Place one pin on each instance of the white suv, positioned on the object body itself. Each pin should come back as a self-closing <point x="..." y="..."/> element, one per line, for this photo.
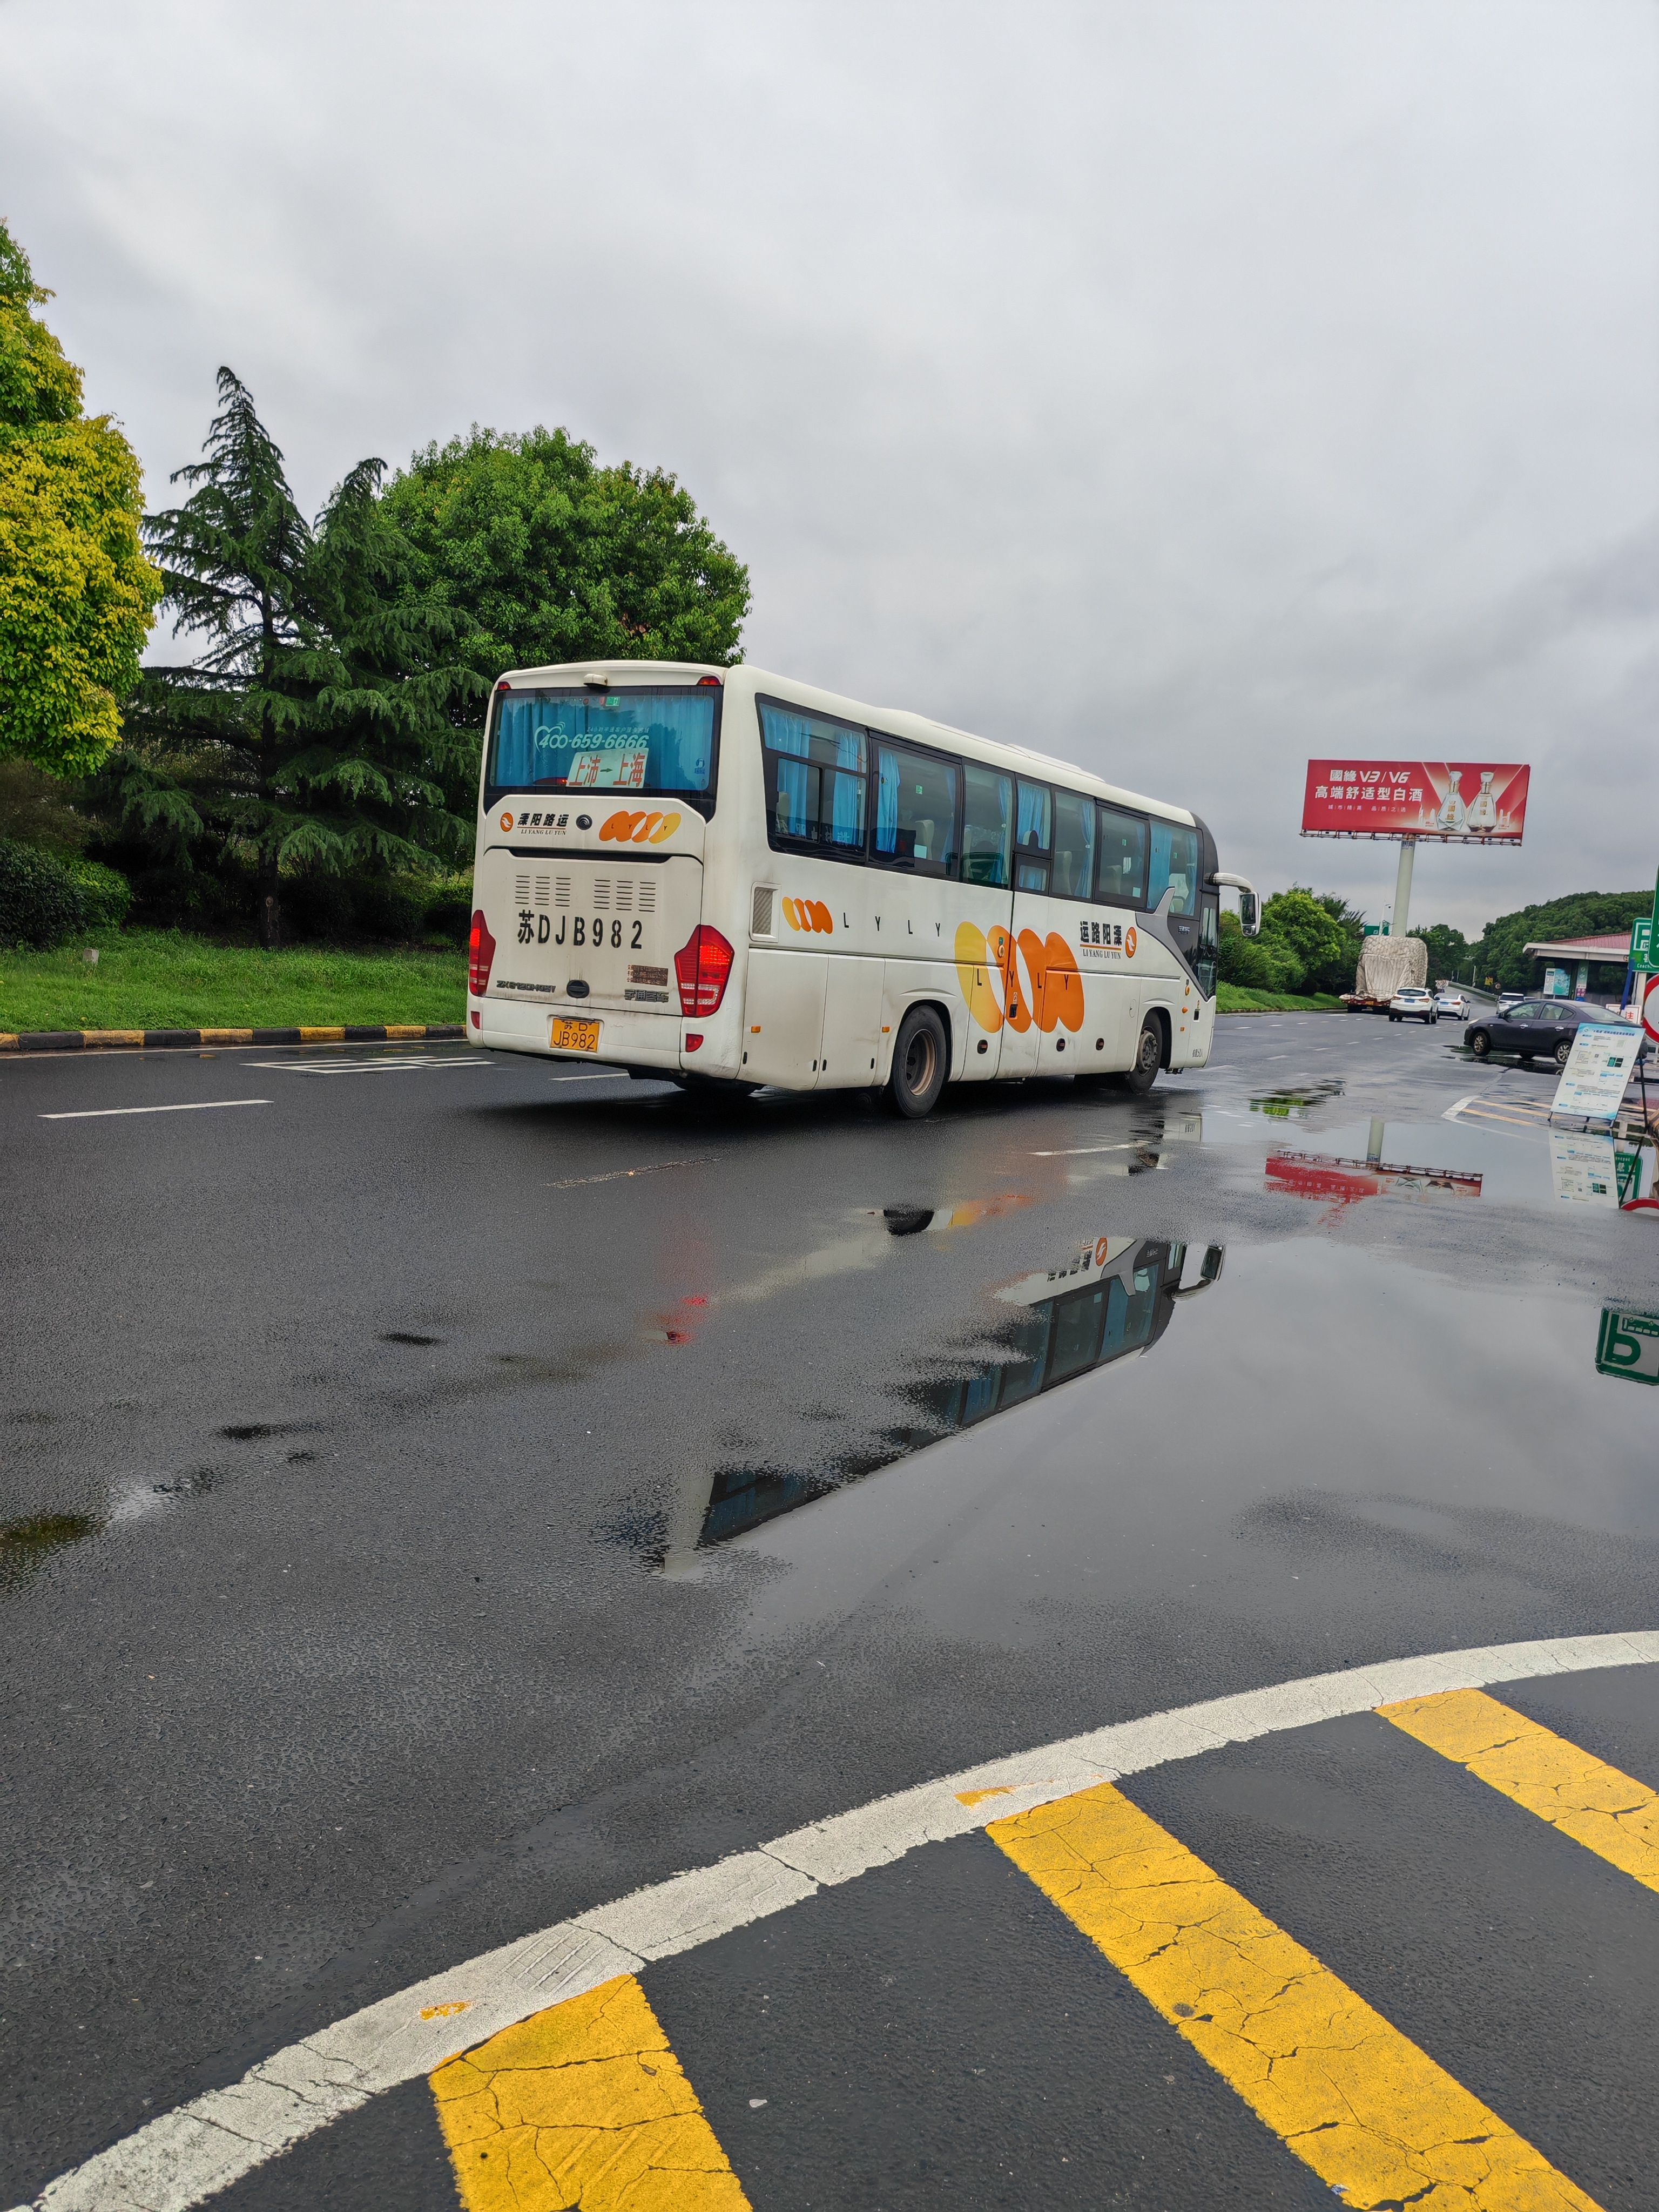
<point x="1413" y="1005"/>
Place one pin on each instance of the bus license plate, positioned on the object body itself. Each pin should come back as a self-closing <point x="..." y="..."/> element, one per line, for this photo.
<point x="566" y="1033"/>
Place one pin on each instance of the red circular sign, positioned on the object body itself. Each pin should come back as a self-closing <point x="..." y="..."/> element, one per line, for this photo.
<point x="1648" y="1003"/>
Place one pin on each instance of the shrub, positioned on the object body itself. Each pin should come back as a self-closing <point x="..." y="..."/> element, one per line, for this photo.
<point x="106" y="894"/>
<point x="1256" y="963"/>
<point x="41" y="903"/>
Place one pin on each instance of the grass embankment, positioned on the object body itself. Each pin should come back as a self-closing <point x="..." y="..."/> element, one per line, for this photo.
<point x="1230" y="999"/>
<point x="152" y="978"/>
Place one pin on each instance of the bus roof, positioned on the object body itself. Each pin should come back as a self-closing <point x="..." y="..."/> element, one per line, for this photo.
<point x="891" y="721"/>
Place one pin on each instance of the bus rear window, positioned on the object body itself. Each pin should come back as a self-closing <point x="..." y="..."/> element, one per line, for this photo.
<point x="658" y="744"/>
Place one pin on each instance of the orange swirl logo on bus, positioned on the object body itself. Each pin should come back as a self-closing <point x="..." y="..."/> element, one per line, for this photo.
<point x="625" y="829"/>
<point x="808" y="914"/>
<point x="1024" y="982"/>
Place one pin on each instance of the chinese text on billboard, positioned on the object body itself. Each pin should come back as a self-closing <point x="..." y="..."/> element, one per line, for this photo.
<point x="1462" y="802"/>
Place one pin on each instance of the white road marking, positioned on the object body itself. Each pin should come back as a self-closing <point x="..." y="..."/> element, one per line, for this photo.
<point x="400" y="1066"/>
<point x="190" y="1106"/>
<point x="188" y="2155"/>
<point x="1076" y="1151"/>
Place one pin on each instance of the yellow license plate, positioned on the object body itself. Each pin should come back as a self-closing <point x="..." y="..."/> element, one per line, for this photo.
<point x="566" y="1033"/>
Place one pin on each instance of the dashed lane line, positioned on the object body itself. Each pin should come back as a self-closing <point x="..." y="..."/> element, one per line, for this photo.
<point x="586" y="2104"/>
<point x="1607" y="1812"/>
<point x="112" y="1112"/>
<point x="186" y="2156"/>
<point x="1376" y="2118"/>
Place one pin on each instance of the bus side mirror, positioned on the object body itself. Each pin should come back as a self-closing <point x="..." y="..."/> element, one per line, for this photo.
<point x="1250" y="914"/>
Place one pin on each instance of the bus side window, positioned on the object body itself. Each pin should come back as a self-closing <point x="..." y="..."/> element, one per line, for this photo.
<point x="1175" y="868"/>
<point x="1032" y="834"/>
<point x="1075" y="845"/>
<point x="1122" y="877"/>
<point x="815" y="780"/>
<point x="988" y="823"/>
<point x="916" y="811"/>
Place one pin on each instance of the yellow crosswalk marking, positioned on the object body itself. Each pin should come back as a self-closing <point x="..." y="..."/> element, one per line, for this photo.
<point x="583" y="2106"/>
<point x="1609" y="1814"/>
<point x="1373" y="2116"/>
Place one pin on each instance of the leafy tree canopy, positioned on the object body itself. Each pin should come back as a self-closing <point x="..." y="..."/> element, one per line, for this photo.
<point x="1581" y="913"/>
<point x="1448" y="950"/>
<point x="1323" y="935"/>
<point x="315" y="731"/>
<point x="76" y="594"/>
<point x="548" y="557"/>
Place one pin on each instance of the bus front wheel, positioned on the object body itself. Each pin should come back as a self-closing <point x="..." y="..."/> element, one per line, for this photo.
<point x="1149" y="1058"/>
<point x="919" y="1064"/>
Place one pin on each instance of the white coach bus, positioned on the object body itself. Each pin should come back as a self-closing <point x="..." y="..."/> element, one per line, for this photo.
<point x="723" y="877"/>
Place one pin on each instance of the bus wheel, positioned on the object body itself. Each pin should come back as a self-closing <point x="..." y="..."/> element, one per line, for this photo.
<point x="1149" y="1055"/>
<point x="918" y="1074"/>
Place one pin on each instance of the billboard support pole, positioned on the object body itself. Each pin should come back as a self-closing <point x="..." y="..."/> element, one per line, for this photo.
<point x="1402" y="887"/>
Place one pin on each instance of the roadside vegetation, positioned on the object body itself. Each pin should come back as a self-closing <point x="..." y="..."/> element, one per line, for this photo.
<point x="303" y="773"/>
<point x="152" y="979"/>
<point x="1230" y="999"/>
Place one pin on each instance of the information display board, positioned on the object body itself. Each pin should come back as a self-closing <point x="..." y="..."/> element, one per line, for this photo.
<point x="1452" y="802"/>
<point x="1583" y="1167"/>
<point x="1602" y="1060"/>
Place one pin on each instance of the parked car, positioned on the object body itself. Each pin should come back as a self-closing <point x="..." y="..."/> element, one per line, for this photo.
<point x="1413" y="1005"/>
<point x="1533" y="1027"/>
<point x="1453" y="1003"/>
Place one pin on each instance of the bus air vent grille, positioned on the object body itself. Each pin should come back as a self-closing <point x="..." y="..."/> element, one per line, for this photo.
<point x="542" y="885"/>
<point x="760" y="916"/>
<point x="561" y="890"/>
<point x="602" y="891"/>
<point x="521" y="891"/>
<point x="647" y="897"/>
<point x="624" y="895"/>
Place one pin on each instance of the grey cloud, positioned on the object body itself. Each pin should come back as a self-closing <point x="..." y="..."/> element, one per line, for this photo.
<point x="1182" y="388"/>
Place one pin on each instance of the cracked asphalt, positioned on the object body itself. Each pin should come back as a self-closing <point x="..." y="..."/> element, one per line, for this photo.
<point x="460" y="1490"/>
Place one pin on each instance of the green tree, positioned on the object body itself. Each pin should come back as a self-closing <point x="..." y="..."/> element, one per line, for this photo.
<point x="1448" y="950"/>
<point x="1318" y="932"/>
<point x="76" y="594"/>
<point x="1580" y="913"/>
<point x="1256" y="963"/>
<point x="316" y="731"/>
<point x="548" y="557"/>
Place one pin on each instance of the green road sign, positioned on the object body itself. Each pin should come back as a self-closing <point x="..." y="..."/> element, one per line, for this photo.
<point x="1628" y="1345"/>
<point x="1641" y="944"/>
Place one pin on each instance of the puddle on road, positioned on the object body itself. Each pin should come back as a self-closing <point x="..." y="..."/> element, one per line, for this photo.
<point x="1483" y="1149"/>
<point x="1111" y="1300"/>
<point x="1297" y="1101"/>
<point x="28" y="1542"/>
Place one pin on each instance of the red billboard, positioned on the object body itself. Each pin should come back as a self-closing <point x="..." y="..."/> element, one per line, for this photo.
<point x="1458" y="802"/>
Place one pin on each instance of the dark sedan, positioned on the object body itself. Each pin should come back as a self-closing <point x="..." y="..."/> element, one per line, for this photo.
<point x="1535" y="1027"/>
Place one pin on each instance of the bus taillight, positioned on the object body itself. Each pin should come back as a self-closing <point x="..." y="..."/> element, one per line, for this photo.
<point x="480" y="956"/>
<point x="701" y="967"/>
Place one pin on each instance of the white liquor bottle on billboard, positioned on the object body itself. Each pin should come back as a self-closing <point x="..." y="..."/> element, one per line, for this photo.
<point x="1483" y="807"/>
<point x="1450" y="818"/>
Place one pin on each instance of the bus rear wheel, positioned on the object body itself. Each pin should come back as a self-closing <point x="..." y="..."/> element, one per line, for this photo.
<point x="1149" y="1058"/>
<point x="919" y="1064"/>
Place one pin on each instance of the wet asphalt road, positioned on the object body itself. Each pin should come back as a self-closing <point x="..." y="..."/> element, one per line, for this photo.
<point x="459" y="1491"/>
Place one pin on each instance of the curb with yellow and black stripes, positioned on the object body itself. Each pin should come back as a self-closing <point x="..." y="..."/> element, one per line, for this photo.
<point x="189" y="1040"/>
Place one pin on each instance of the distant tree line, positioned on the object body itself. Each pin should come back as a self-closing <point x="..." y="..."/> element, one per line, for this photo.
<point x="312" y="767"/>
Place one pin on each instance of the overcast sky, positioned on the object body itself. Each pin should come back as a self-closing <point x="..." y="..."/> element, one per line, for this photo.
<point x="1184" y="386"/>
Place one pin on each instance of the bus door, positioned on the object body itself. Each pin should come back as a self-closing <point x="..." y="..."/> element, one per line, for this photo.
<point x="1002" y="1039"/>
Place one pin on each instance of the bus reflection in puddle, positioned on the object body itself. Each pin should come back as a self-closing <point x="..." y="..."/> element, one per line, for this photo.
<point x="1110" y="1300"/>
